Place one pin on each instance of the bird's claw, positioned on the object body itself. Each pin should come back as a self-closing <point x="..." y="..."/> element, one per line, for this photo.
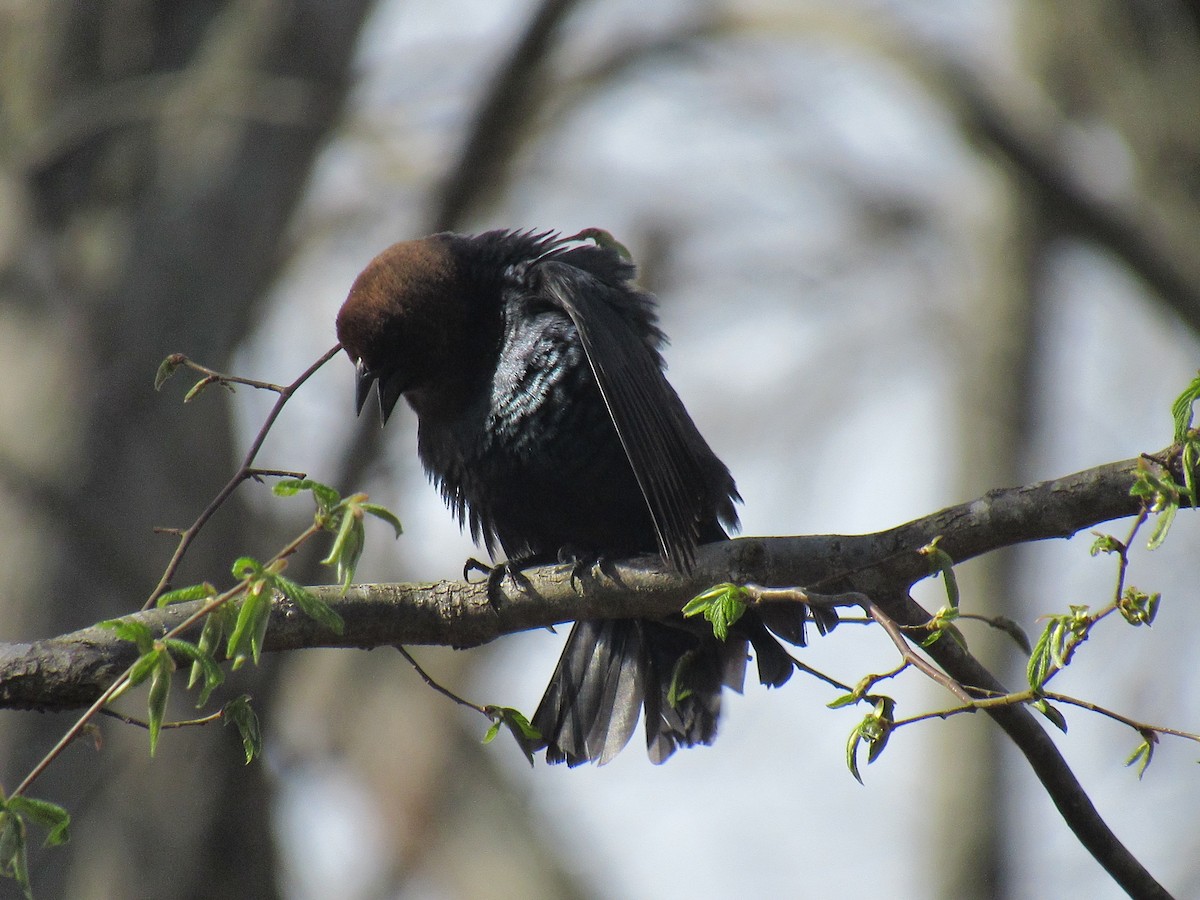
<point x="580" y="565"/>
<point x="474" y="565"/>
<point x="495" y="576"/>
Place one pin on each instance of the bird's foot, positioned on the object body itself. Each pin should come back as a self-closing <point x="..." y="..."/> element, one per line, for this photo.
<point x="581" y="564"/>
<point x="495" y="574"/>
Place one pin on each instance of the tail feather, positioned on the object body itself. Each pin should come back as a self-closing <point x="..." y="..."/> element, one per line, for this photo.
<point x="691" y="673"/>
<point x="774" y="663"/>
<point x="610" y="669"/>
<point x="590" y="708"/>
<point x="788" y="620"/>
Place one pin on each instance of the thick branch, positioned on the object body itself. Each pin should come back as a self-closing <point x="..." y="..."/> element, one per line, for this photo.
<point x="71" y="670"/>
<point x="1118" y="230"/>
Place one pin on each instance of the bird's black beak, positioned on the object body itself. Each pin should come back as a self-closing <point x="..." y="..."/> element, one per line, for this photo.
<point x="388" y="391"/>
<point x="363" y="379"/>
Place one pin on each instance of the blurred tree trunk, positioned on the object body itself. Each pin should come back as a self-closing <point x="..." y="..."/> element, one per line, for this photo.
<point x="995" y="397"/>
<point x="1144" y="95"/>
<point x="150" y="156"/>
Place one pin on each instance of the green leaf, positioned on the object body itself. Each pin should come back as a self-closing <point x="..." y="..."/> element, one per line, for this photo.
<point x="1059" y="639"/>
<point x="325" y="497"/>
<point x="312" y="605"/>
<point x="247" y="567"/>
<point x="1158" y="488"/>
<point x="49" y="815"/>
<point x="145" y="665"/>
<point x="852" y="754"/>
<point x="860" y="690"/>
<point x="877" y="745"/>
<point x="1057" y="719"/>
<point x="13" y="859"/>
<point x="514" y="718"/>
<point x="242" y="715"/>
<point x="526" y="736"/>
<point x="677" y="691"/>
<point x="187" y="594"/>
<point x="705" y="599"/>
<point x="932" y="638"/>
<point x="259" y="633"/>
<point x="844" y="700"/>
<point x="217" y="624"/>
<point x="1053" y="650"/>
<point x="160" y="690"/>
<point x="347" y="547"/>
<point x="1143" y="754"/>
<point x="202" y="662"/>
<point x="941" y="562"/>
<point x="1181" y="409"/>
<point x="251" y="625"/>
<point x="1162" y="525"/>
<point x="874" y="729"/>
<point x="1138" y="607"/>
<point x="943" y="623"/>
<point x="722" y="605"/>
<point x="200" y="386"/>
<point x="167" y="368"/>
<point x="1038" y="667"/>
<point x="1161" y="494"/>
<point x="1105" y="543"/>
<point x="1189" y="458"/>
<point x="131" y="630"/>
<point x="382" y="512"/>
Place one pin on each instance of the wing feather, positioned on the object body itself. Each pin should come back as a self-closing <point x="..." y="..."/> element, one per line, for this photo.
<point x="671" y="461"/>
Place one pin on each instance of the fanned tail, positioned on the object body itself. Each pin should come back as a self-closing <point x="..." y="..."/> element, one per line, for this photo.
<point x="610" y="669"/>
<point x="591" y="705"/>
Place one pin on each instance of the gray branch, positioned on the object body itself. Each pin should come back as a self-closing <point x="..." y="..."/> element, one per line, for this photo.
<point x="71" y="670"/>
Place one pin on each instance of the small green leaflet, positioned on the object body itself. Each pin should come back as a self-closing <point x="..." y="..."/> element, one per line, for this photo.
<point x="722" y="605"/>
<point x="1181" y="409"/>
<point x="875" y="730"/>
<point x="14" y="862"/>
<point x="344" y="517"/>
<point x="245" y="719"/>
<point x="1143" y="753"/>
<point x="526" y="736"/>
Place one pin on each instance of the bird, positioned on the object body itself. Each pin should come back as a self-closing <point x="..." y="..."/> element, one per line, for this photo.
<point x="533" y="363"/>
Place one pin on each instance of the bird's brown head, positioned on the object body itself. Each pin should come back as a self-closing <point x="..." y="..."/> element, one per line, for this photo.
<point x="404" y="321"/>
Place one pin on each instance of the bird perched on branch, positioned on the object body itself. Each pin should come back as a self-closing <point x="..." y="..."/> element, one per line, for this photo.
<point x="545" y="419"/>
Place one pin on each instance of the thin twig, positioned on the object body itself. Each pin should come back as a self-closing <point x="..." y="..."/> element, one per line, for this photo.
<point x="910" y="655"/>
<point x="444" y="691"/>
<point x="1117" y="717"/>
<point x="819" y="675"/>
<point x="243" y="473"/>
<point x="221" y="378"/>
<point x="1123" y="554"/>
<point x="185" y="723"/>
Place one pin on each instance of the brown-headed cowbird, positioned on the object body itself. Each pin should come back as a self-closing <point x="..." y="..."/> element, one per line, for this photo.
<point x="545" y="419"/>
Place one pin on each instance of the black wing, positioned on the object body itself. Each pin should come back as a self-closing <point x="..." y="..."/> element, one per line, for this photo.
<point x="687" y="489"/>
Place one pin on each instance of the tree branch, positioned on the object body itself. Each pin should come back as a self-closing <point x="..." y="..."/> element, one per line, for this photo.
<point x="69" y="671"/>
<point x="1116" y="229"/>
<point x="72" y="670"/>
